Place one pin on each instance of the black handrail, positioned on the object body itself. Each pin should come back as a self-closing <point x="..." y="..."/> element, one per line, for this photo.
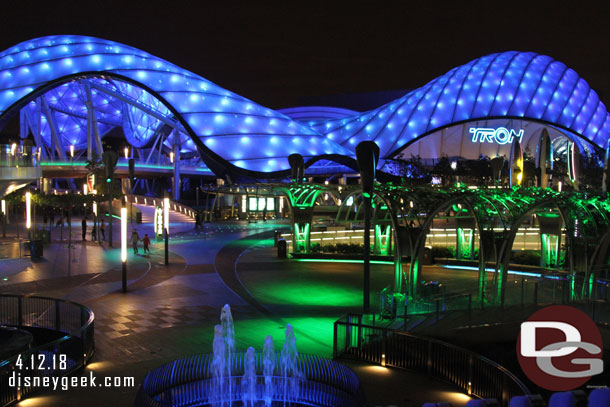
<point x="471" y="372"/>
<point x="74" y="320"/>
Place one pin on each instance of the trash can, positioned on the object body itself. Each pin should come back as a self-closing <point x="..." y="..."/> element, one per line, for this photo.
<point x="281" y="249"/>
<point x="432" y="288"/>
<point x="36" y="249"/>
<point x="43" y="234"/>
<point x="277" y="235"/>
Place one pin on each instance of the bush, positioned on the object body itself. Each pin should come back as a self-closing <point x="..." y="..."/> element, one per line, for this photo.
<point x="443" y="252"/>
<point x="526" y="257"/>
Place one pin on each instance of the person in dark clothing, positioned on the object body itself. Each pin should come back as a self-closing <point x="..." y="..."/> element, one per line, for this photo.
<point x="103" y="229"/>
<point x="146" y="242"/>
<point x="135" y="238"/>
<point x="84" y="225"/>
<point x="93" y="233"/>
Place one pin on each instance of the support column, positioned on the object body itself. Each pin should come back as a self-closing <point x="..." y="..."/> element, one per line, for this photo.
<point x="464" y="245"/>
<point x="550" y="239"/>
<point x="302" y="217"/>
<point x="93" y="131"/>
<point x="56" y="141"/>
<point x="383" y="235"/>
<point x="176" y="186"/>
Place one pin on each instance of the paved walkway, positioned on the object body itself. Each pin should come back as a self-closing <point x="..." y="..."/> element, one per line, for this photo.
<point x="169" y="312"/>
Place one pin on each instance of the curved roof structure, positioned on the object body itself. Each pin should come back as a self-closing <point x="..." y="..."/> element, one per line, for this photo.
<point x="226" y="127"/>
<point x="509" y="84"/>
<point x="235" y="135"/>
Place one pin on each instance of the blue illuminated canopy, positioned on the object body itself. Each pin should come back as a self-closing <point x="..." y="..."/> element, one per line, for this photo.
<point x="510" y="84"/>
<point x="146" y="96"/>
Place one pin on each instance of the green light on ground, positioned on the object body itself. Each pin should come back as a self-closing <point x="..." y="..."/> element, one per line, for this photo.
<point x="71" y="164"/>
<point x="314" y="334"/>
<point x="343" y="261"/>
<point x="320" y="294"/>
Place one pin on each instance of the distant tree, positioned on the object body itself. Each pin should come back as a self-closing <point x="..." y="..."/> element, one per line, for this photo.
<point x="412" y="170"/>
<point x="592" y="169"/>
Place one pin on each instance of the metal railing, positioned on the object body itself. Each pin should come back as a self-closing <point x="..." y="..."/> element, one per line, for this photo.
<point x="15" y="155"/>
<point x="190" y="381"/>
<point x="174" y="206"/>
<point x="74" y="321"/>
<point x="472" y="373"/>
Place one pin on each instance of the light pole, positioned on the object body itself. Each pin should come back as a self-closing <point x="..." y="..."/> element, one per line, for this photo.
<point x="367" y="156"/>
<point x="124" y="248"/>
<point x="28" y="212"/>
<point x="166" y="228"/>
<point x="3" y="218"/>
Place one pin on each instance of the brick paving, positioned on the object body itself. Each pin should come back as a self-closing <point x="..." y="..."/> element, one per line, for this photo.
<point x="167" y="313"/>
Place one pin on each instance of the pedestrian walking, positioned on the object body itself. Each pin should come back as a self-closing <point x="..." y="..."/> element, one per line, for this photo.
<point x="93" y="233"/>
<point x="197" y="220"/>
<point x="103" y="229"/>
<point x="146" y="243"/>
<point x="135" y="238"/>
<point x="84" y="226"/>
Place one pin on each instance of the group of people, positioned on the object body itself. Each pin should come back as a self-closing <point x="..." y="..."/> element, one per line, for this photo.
<point x="135" y="237"/>
<point x="102" y="223"/>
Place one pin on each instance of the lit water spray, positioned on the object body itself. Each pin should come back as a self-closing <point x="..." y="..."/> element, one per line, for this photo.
<point x="268" y="369"/>
<point x="248" y="382"/>
<point x="290" y="370"/>
<point x="226" y="320"/>
<point x="218" y="366"/>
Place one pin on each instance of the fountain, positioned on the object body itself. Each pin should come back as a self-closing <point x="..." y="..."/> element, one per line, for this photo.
<point x="269" y="378"/>
<point x="289" y="368"/>
<point x="218" y="365"/>
<point x="268" y="369"/>
<point x="248" y="382"/>
<point x="228" y="334"/>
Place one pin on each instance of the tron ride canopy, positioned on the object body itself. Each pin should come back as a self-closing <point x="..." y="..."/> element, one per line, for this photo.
<point x="73" y="90"/>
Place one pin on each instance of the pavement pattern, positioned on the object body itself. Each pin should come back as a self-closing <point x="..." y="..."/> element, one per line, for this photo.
<point x="170" y="311"/>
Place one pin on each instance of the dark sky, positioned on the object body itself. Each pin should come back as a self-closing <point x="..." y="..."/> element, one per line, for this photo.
<point x="278" y="53"/>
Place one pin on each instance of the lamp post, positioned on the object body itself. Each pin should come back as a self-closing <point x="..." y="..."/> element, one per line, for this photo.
<point x="367" y="156"/>
<point x="95" y="225"/>
<point x="166" y="228"/>
<point x="28" y="212"/>
<point x="124" y="248"/>
<point x="3" y="208"/>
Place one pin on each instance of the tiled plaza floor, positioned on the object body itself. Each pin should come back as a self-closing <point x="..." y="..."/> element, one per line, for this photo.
<point x="168" y="312"/>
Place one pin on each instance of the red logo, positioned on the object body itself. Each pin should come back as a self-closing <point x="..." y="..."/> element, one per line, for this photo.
<point x="559" y="348"/>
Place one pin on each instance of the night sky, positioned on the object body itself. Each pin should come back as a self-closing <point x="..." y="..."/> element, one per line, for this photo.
<point x="277" y="53"/>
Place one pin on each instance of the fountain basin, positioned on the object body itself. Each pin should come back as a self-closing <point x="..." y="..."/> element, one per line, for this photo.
<point x="190" y="382"/>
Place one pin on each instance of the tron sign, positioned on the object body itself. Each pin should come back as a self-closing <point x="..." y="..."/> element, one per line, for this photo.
<point x="501" y="135"/>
